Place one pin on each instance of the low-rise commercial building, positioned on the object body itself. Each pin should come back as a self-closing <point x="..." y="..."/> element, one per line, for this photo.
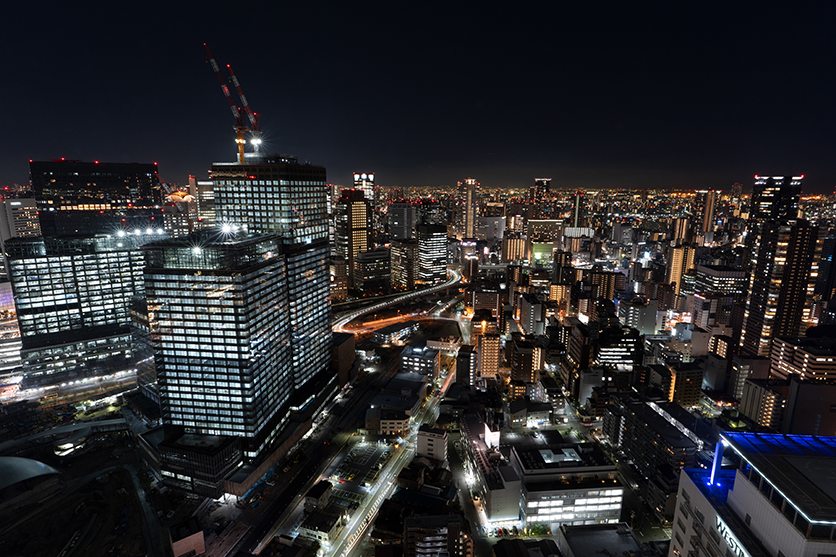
<point x="778" y="500"/>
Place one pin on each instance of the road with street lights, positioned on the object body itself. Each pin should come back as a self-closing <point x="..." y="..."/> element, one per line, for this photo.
<point x="343" y="319"/>
<point x="351" y="536"/>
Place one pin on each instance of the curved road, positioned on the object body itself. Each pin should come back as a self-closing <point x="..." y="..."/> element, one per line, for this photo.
<point x="345" y="319"/>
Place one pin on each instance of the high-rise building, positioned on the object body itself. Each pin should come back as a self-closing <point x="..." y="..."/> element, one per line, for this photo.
<point x="540" y="189"/>
<point x="709" y="203"/>
<point x="721" y="278"/>
<point x="72" y="298"/>
<point x="514" y="247"/>
<point x="774" y="198"/>
<point x="277" y="195"/>
<point x="203" y="192"/>
<point x="432" y="253"/>
<point x="681" y="231"/>
<point x="783" y="279"/>
<point x="578" y="209"/>
<point x="467" y="365"/>
<point x="686" y="384"/>
<point x="470" y="201"/>
<point x="19" y="219"/>
<point x="405" y="264"/>
<point x="488" y="350"/>
<point x="524" y="362"/>
<point x="338" y="268"/>
<point x="365" y="182"/>
<point x="680" y="260"/>
<point x="372" y="271"/>
<point x="223" y="357"/>
<point x="353" y="234"/>
<point x="78" y="198"/>
<point x="402" y="220"/>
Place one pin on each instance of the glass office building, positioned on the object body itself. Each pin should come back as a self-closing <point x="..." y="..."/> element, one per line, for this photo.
<point x="222" y="332"/>
<point x="72" y="298"/>
<point x="274" y="194"/>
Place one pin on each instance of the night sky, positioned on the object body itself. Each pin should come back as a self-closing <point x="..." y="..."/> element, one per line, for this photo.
<point x="594" y="95"/>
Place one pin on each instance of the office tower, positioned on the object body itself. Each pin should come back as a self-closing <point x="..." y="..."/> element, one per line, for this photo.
<point x="338" y="270"/>
<point x="470" y="201"/>
<point x="578" y="209"/>
<point x="72" y="298"/>
<point x="365" y="183"/>
<point x="783" y="279"/>
<point x="402" y="221"/>
<point x="223" y="346"/>
<point x="680" y="260"/>
<point x="371" y="271"/>
<point x="709" y="203"/>
<point x="203" y="192"/>
<point x="488" y="354"/>
<point x="18" y="219"/>
<point x="405" y="264"/>
<point x="432" y="253"/>
<point x="277" y="195"/>
<point x="774" y="198"/>
<point x="88" y="198"/>
<point x="514" y="247"/>
<point x="431" y="211"/>
<point x="540" y="189"/>
<point x="353" y="234"/>
<point x="721" y="278"/>
<point x="736" y="192"/>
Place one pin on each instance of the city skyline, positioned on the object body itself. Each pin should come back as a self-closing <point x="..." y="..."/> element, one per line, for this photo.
<point x="668" y="98"/>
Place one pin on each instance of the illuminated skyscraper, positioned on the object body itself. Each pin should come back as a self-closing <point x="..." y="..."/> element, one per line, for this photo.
<point x="72" y="298"/>
<point x="432" y="253"/>
<point x="709" y="202"/>
<point x="405" y="264"/>
<point x="274" y="194"/>
<point x="782" y="283"/>
<point x="365" y="183"/>
<point x="354" y="217"/>
<point x="578" y="209"/>
<point x="470" y="200"/>
<point x="775" y="197"/>
<point x="680" y="260"/>
<point x="223" y="350"/>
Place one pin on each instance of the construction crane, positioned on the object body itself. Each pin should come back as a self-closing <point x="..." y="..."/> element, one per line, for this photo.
<point x="241" y="126"/>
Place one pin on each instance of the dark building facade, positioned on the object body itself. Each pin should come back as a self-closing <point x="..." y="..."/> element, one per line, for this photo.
<point x="87" y="198"/>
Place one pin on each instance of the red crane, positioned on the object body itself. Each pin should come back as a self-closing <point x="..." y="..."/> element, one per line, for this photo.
<point x="240" y="125"/>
